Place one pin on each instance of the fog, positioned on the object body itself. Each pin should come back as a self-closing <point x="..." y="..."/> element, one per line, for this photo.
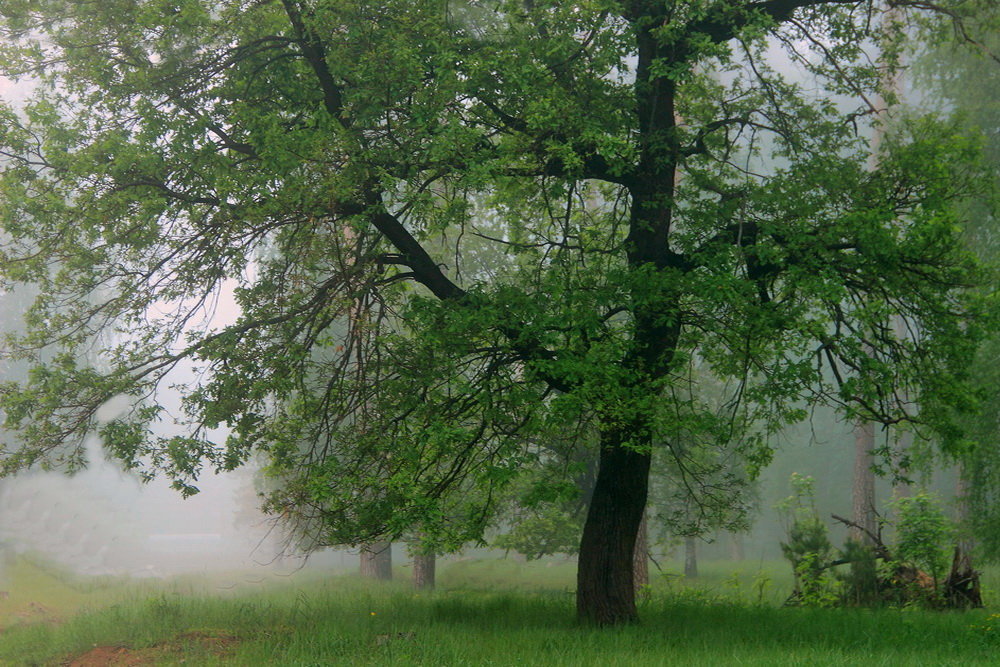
<point x="104" y="522"/>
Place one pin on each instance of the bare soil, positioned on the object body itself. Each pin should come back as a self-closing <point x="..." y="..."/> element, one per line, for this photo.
<point x="218" y="643"/>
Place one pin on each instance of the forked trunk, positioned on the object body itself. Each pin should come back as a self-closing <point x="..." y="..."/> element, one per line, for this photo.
<point x="424" y="566"/>
<point x="605" y="592"/>
<point x="376" y="561"/>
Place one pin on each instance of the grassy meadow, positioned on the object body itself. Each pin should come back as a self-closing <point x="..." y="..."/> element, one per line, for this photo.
<point x="485" y="612"/>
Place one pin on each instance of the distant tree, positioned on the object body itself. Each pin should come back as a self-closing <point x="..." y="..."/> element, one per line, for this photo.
<point x="424" y="565"/>
<point x="169" y="143"/>
<point x="376" y="560"/>
<point x="864" y="513"/>
<point x="543" y="531"/>
<point x="700" y="487"/>
<point x="546" y="507"/>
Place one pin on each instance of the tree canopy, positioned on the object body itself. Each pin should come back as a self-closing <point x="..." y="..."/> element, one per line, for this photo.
<point x="662" y="188"/>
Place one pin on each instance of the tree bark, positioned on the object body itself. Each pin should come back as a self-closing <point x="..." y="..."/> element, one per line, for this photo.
<point x="605" y="593"/>
<point x="962" y="508"/>
<point x="376" y="561"/>
<point x="424" y="566"/>
<point x="962" y="588"/>
<point x="864" y="432"/>
<point x="736" y="544"/>
<point x="640" y="557"/>
<point x="605" y="577"/>
<point x="690" y="557"/>
<point x="863" y="515"/>
<point x="901" y="485"/>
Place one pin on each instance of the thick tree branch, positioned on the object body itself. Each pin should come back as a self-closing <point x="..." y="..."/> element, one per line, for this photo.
<point x="424" y="270"/>
<point x="315" y="55"/>
<point x="698" y="147"/>
<point x="413" y="255"/>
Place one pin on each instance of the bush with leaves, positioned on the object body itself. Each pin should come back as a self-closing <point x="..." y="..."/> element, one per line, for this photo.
<point x="924" y="534"/>
<point x="545" y="531"/>
<point x="808" y="548"/>
<point x="909" y="572"/>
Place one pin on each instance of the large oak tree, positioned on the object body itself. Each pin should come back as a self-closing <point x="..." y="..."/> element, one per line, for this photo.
<point x="663" y="193"/>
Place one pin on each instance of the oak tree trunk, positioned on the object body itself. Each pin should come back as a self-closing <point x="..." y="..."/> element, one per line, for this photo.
<point x="605" y="592"/>
<point x="605" y="576"/>
<point x="376" y="561"/>
<point x="424" y="566"/>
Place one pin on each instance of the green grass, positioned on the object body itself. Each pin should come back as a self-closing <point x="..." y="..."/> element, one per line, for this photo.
<point x="495" y="613"/>
<point x="37" y="590"/>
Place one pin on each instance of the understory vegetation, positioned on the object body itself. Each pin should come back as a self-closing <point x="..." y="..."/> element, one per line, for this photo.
<point x="498" y="612"/>
<point x="910" y="570"/>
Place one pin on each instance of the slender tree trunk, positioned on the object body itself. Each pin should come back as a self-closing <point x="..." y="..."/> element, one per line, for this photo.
<point x="864" y="432"/>
<point x="736" y="551"/>
<point x="690" y="557"/>
<point x="376" y="561"/>
<point x="962" y="507"/>
<point x="902" y="488"/>
<point x="865" y="586"/>
<point x="864" y="485"/>
<point x="864" y="529"/>
<point x="962" y="587"/>
<point x="640" y="558"/>
<point x="605" y="592"/>
<point x="424" y="566"/>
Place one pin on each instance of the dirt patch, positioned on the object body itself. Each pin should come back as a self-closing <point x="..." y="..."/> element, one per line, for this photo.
<point x="104" y="656"/>
<point x="218" y="644"/>
<point x="34" y="612"/>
